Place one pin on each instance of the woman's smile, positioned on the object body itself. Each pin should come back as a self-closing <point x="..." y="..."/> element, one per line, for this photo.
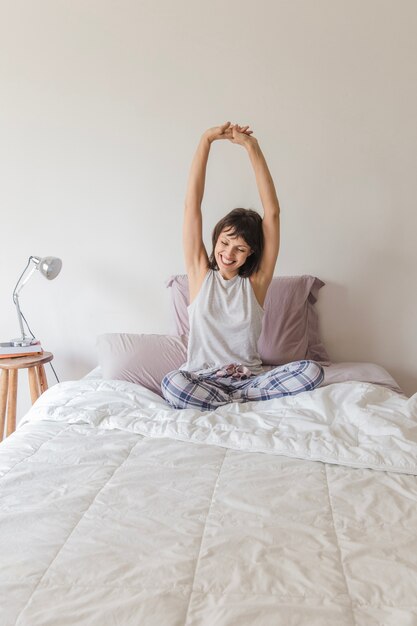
<point x="225" y="260"/>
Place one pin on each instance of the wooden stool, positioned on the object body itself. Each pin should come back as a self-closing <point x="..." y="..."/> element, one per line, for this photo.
<point x="8" y="385"/>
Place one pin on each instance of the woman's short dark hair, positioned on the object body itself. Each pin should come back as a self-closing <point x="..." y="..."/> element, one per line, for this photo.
<point x="247" y="224"/>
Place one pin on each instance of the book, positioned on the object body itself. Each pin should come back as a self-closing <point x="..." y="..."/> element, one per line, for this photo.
<point x="8" y="350"/>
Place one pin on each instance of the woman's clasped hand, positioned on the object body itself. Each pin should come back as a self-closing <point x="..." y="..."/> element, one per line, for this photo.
<point x="233" y="132"/>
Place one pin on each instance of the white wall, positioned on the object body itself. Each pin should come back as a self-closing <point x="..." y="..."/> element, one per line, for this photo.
<point x="101" y="106"/>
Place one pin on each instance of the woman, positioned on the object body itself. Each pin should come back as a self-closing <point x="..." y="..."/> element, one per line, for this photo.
<point x="227" y="293"/>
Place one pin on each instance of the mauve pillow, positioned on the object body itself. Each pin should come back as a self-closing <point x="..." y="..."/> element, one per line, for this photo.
<point x="290" y="330"/>
<point x="142" y="359"/>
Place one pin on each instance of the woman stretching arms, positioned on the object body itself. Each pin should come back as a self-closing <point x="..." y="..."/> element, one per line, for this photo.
<point x="227" y="293"/>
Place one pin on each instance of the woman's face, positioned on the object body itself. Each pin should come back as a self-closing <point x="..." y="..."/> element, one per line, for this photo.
<point x="230" y="253"/>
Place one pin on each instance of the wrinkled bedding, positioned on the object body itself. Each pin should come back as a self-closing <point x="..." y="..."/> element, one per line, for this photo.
<point x="116" y="509"/>
<point x="352" y="423"/>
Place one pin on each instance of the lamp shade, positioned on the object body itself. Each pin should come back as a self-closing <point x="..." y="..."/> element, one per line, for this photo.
<point x="49" y="266"/>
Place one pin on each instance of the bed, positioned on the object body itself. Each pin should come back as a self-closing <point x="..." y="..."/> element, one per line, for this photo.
<point x="117" y="509"/>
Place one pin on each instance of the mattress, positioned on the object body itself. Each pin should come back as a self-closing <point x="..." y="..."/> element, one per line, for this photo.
<point x="116" y="509"/>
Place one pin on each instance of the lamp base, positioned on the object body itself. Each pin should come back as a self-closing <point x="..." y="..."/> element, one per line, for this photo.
<point x="24" y="342"/>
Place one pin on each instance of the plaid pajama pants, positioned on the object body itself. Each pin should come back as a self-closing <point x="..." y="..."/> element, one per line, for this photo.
<point x="206" y="391"/>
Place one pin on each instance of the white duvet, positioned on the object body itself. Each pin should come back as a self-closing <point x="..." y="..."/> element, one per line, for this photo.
<point x="354" y="424"/>
<point x="116" y="509"/>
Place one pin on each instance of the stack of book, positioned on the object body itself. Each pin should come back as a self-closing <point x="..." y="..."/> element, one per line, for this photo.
<point x="8" y="350"/>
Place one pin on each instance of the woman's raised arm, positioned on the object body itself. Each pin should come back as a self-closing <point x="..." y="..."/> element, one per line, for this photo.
<point x="196" y="258"/>
<point x="270" y="204"/>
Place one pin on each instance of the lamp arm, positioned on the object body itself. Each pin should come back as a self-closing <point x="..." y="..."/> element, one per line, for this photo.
<point x="19" y="316"/>
<point x="20" y="285"/>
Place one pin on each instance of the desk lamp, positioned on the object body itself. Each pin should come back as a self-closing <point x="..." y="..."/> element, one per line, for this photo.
<point x="48" y="266"/>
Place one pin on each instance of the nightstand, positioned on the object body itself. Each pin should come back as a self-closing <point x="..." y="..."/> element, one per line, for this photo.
<point x="8" y="385"/>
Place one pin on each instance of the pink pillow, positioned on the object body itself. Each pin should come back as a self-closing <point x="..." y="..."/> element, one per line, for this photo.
<point x="290" y="329"/>
<point x="142" y="359"/>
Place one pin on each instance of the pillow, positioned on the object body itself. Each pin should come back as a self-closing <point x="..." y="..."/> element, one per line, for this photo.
<point x="290" y="330"/>
<point x="142" y="359"/>
<point x="361" y="372"/>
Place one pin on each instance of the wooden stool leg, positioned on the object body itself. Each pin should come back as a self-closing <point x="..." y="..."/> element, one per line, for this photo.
<point x="42" y="378"/>
<point x="4" y="382"/>
<point x="12" y="399"/>
<point x="33" y="384"/>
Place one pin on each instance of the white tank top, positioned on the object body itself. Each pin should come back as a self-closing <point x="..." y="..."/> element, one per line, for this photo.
<point x="225" y="325"/>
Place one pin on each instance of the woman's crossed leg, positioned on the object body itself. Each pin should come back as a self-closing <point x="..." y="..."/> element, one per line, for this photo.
<point x="206" y="392"/>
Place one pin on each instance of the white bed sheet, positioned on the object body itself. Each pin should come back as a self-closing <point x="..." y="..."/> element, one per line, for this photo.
<point x="103" y="524"/>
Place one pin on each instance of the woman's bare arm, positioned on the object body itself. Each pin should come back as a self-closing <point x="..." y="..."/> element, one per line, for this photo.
<point x="196" y="258"/>
<point x="270" y="204"/>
